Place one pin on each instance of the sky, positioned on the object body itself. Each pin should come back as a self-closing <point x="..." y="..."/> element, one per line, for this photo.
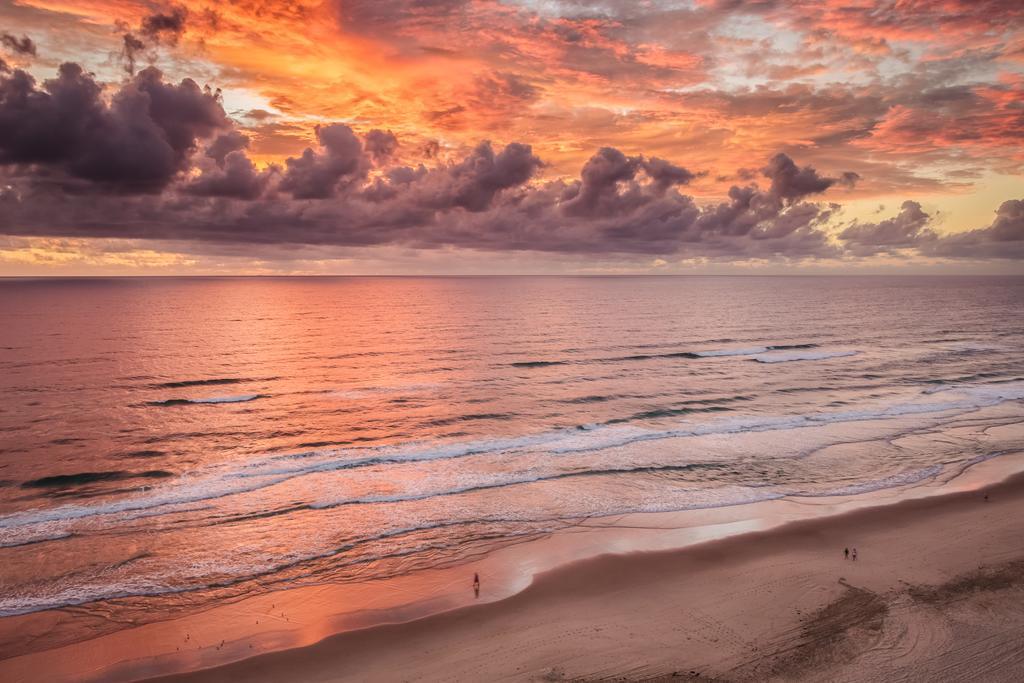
<point x="511" y="136"/>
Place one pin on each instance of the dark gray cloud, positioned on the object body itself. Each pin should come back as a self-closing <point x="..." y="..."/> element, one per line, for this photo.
<point x="167" y="26"/>
<point x="909" y="228"/>
<point x="473" y="183"/>
<point x="235" y="176"/>
<point x="790" y="182"/>
<point x="1008" y="225"/>
<point x="224" y="144"/>
<point x="138" y="142"/>
<point x="665" y="174"/>
<point x="470" y="184"/>
<point x="597" y="192"/>
<point x="610" y="183"/>
<point x="848" y="179"/>
<point x="1003" y="238"/>
<point x="20" y="46"/>
<point x="131" y="48"/>
<point x="317" y="174"/>
<point x="380" y="145"/>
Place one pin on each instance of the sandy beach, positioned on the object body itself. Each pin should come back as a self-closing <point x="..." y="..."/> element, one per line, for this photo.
<point x="936" y="594"/>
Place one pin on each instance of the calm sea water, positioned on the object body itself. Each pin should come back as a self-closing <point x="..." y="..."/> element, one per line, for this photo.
<point x="183" y="441"/>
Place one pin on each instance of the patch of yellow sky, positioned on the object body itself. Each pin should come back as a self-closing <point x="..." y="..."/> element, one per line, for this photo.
<point x="973" y="206"/>
<point x="28" y="256"/>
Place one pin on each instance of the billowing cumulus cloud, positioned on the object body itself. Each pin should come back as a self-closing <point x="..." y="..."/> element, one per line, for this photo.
<point x="473" y="183"/>
<point x="909" y="228"/>
<point x="1003" y="238"/>
<point x="137" y="142"/>
<point x="226" y="143"/>
<point x="235" y="176"/>
<point x="317" y="174"/>
<point x="380" y="145"/>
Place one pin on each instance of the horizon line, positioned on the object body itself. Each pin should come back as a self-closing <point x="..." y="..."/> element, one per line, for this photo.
<point x="499" y="275"/>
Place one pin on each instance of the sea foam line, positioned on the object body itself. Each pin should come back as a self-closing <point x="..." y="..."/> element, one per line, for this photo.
<point x="240" y="398"/>
<point x="274" y="470"/>
<point x="196" y="575"/>
<point x="791" y="356"/>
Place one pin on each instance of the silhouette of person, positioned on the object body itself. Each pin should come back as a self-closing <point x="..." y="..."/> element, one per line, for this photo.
<point x="846" y="553"/>
<point x="476" y="585"/>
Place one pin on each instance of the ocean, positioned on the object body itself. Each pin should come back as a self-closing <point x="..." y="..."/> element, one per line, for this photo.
<point x="171" y="443"/>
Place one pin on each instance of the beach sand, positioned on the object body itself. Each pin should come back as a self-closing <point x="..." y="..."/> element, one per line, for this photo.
<point x="936" y="594"/>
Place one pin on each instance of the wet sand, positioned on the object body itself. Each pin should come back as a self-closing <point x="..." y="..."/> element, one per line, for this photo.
<point x="936" y="594"/>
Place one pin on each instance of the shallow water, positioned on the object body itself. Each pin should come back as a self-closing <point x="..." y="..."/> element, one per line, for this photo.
<point x="169" y="443"/>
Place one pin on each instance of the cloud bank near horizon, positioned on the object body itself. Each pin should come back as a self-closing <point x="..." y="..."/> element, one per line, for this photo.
<point x="160" y="160"/>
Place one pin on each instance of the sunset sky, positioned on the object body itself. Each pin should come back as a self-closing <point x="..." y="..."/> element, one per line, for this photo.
<point x="515" y="136"/>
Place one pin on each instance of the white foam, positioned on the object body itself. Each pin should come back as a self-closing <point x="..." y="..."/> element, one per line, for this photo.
<point x="969" y="347"/>
<point x="791" y="356"/>
<point x="15" y="541"/>
<point x="33" y="525"/>
<point x="233" y="478"/>
<point x="713" y="353"/>
<point x="486" y="481"/>
<point x="892" y="481"/>
<point x="365" y="391"/>
<point x="219" y="570"/>
<point x="191" y="574"/>
<point x="241" y="398"/>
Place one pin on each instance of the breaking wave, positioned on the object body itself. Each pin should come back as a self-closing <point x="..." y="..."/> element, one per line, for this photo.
<point x="800" y="355"/>
<point x="228" y="480"/>
<point x="241" y="398"/>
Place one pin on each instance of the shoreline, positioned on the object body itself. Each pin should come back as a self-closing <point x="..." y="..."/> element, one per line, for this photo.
<point x="118" y="656"/>
<point x="596" y="591"/>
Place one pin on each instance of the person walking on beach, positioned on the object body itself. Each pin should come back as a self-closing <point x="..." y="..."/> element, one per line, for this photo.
<point x="476" y="584"/>
<point x="854" y="554"/>
<point x="846" y="553"/>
